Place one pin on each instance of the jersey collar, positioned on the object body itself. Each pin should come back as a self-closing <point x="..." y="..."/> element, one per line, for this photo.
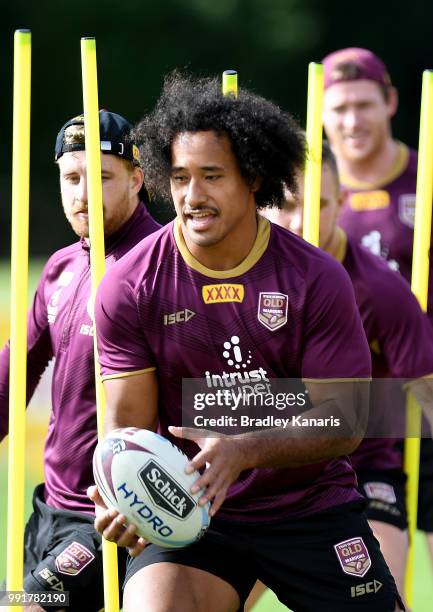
<point x="259" y="247"/>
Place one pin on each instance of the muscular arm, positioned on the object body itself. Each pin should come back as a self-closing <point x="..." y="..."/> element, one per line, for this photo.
<point x="132" y="401"/>
<point x="39" y="353"/>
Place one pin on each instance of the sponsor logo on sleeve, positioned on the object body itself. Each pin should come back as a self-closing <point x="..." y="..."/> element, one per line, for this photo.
<point x="353" y="557"/>
<point x="222" y="293"/>
<point x="272" y="310"/>
<point x="73" y="559"/>
<point x="369" y="200"/>
<point x="406" y="209"/>
<point x="380" y="490"/>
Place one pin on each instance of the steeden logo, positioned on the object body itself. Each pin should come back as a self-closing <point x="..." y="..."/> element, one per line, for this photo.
<point x="222" y="293"/>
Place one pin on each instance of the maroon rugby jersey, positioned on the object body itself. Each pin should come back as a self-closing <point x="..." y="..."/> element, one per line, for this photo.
<point x="400" y="338"/>
<point x="60" y="326"/>
<point x="318" y="335"/>
<point x="381" y="216"/>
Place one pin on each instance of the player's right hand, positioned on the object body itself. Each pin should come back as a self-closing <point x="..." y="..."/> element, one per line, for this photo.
<point x="112" y="525"/>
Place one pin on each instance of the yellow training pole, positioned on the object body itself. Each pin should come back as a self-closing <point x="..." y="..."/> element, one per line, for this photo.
<point x="419" y="285"/>
<point x="313" y="165"/>
<point x="230" y="83"/>
<point x="18" y="332"/>
<point x="97" y="264"/>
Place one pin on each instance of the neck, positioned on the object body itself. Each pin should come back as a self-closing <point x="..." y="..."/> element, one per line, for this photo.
<point x="334" y="243"/>
<point x="372" y="168"/>
<point x="337" y="245"/>
<point x="229" y="252"/>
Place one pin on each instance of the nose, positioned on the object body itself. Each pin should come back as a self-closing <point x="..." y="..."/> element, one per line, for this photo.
<point x="351" y="119"/>
<point x="81" y="190"/>
<point x="195" y="195"/>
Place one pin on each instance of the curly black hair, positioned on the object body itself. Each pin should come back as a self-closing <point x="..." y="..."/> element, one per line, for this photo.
<point x="267" y="142"/>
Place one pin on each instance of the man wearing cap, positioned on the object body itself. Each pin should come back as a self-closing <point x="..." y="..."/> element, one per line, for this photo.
<point x="378" y="175"/>
<point x="62" y="549"/>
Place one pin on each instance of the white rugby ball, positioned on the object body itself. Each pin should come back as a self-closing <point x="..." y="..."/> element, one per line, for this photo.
<point x="142" y="475"/>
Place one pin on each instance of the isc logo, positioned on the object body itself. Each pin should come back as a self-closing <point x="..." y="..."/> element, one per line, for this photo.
<point x="364" y="589"/>
<point x="181" y="316"/>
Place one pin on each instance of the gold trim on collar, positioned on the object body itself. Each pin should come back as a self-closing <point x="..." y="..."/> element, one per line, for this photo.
<point x="259" y="247"/>
<point x="342" y="245"/>
<point x="399" y="166"/>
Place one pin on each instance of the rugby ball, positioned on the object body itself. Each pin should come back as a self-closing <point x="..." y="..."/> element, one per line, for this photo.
<point x="142" y="475"/>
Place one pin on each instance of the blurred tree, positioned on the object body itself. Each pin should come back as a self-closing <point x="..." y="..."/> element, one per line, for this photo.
<point x="269" y="42"/>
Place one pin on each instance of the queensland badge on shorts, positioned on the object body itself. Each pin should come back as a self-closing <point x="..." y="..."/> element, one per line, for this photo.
<point x="73" y="559"/>
<point x="272" y="310"/>
<point x="353" y="556"/>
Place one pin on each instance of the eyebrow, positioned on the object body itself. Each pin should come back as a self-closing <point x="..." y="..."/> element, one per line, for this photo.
<point x="206" y="168"/>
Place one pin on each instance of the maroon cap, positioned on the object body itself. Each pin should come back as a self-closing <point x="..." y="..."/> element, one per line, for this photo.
<point x="352" y="64"/>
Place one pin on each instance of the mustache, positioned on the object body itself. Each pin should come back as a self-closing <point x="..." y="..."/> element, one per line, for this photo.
<point x="199" y="209"/>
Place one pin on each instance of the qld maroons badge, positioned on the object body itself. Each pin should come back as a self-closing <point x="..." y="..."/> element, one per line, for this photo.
<point x="353" y="556"/>
<point x="272" y="311"/>
<point x="73" y="559"/>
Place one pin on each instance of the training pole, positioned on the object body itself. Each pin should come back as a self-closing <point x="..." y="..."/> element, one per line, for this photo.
<point x="313" y="164"/>
<point x="97" y="267"/>
<point x="419" y="286"/>
<point x="230" y="83"/>
<point x="18" y="330"/>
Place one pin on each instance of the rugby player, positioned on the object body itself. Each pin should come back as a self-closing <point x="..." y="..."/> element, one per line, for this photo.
<point x="62" y="549"/>
<point x="378" y="174"/>
<point x="283" y="507"/>
<point x="401" y="342"/>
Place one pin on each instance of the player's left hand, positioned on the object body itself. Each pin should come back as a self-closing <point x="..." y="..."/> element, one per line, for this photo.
<point x="224" y="458"/>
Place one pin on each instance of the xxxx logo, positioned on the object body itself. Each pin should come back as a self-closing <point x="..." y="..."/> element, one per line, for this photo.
<point x="218" y="294"/>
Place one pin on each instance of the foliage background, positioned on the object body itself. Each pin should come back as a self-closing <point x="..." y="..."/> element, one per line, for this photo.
<point x="269" y="42"/>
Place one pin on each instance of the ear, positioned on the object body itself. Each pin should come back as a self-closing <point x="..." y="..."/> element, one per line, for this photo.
<point x="137" y="179"/>
<point x="341" y="199"/>
<point x="256" y="184"/>
<point x="392" y="102"/>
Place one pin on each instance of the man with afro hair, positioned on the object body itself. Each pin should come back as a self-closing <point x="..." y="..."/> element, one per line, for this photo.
<point x="262" y="305"/>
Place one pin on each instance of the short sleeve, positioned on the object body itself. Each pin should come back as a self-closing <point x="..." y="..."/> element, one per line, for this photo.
<point x="121" y="341"/>
<point x="335" y="345"/>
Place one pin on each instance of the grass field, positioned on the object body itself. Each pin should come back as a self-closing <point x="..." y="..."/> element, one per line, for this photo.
<point x="36" y="428"/>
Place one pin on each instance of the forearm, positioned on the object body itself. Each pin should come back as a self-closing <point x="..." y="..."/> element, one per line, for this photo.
<point x="282" y="451"/>
<point x="332" y="427"/>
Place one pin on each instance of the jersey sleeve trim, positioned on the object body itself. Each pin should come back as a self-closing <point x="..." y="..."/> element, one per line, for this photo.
<point x="127" y="374"/>
<point x="335" y="380"/>
<point x="407" y="385"/>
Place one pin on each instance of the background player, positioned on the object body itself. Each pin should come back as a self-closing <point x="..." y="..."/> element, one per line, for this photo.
<point x="222" y="159"/>
<point x="378" y="174"/>
<point x="401" y="342"/>
<point x="60" y="325"/>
